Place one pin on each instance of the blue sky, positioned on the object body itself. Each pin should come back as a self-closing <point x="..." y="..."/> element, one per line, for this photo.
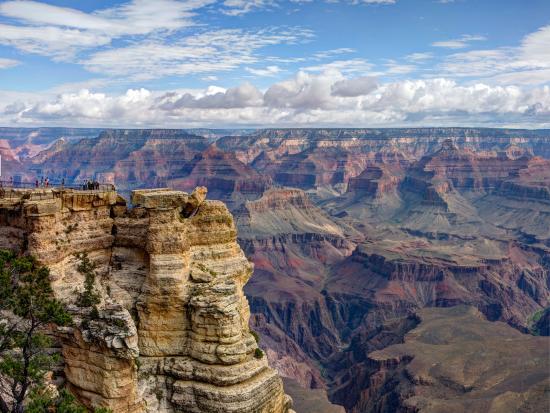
<point x="223" y="63"/>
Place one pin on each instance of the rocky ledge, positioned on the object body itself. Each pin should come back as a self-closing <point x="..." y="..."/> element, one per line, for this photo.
<point x="166" y="326"/>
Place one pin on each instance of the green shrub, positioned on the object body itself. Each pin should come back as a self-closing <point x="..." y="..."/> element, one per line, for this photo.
<point x="255" y="335"/>
<point x="258" y="353"/>
<point x="89" y="297"/>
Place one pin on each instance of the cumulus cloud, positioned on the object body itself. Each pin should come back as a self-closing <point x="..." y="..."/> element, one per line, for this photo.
<point x="326" y="99"/>
<point x="304" y="91"/>
<point x="245" y="95"/>
<point x="354" y="87"/>
<point x="91" y="106"/>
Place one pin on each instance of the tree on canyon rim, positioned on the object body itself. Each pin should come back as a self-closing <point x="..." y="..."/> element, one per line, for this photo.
<point x="27" y="309"/>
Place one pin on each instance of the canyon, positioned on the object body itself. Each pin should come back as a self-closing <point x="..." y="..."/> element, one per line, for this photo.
<point x="362" y="240"/>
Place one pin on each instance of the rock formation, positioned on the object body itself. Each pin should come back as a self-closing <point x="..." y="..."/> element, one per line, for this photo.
<point x="170" y="332"/>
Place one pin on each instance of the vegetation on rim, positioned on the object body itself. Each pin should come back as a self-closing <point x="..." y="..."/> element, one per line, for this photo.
<point x="29" y="310"/>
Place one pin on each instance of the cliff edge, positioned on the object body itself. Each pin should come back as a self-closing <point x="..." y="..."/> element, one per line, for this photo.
<point x="168" y="328"/>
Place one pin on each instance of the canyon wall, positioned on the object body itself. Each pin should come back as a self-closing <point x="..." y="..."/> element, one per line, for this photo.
<point x="169" y="331"/>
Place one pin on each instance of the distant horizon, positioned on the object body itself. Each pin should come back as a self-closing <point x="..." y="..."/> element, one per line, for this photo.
<point x="271" y="128"/>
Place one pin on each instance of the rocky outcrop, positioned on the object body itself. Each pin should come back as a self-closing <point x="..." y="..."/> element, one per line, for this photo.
<point x="170" y="331"/>
<point x="375" y="182"/>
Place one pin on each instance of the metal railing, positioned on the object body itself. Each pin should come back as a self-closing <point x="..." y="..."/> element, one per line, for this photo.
<point x="43" y="190"/>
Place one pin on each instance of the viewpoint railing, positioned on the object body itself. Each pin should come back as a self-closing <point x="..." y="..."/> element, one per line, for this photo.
<point x="47" y="190"/>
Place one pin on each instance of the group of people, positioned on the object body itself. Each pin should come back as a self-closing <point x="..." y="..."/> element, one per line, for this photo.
<point x="8" y="183"/>
<point x="90" y="185"/>
<point x="45" y="182"/>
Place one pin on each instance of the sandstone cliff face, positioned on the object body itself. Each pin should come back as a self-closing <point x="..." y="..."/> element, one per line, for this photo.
<point x="171" y="331"/>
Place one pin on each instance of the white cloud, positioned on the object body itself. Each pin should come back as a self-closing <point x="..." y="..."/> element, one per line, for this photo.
<point x="88" y="105"/>
<point x="306" y="91"/>
<point x="354" y="2"/>
<point x="374" y="1"/>
<point x="529" y="63"/>
<point x="326" y="99"/>
<point x="7" y="63"/>
<point x="61" y="32"/>
<point x="534" y="50"/>
<point x="394" y="68"/>
<point x="419" y="57"/>
<point x="52" y="41"/>
<point x="356" y="65"/>
<point x="135" y="17"/>
<point x="240" y="7"/>
<point x="268" y="71"/>
<point x="325" y="54"/>
<point x="243" y="96"/>
<point x="207" y="52"/>
<point x="460" y="43"/>
<point x="358" y="86"/>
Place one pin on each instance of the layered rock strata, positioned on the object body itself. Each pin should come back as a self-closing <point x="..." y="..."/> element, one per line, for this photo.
<point x="170" y="333"/>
